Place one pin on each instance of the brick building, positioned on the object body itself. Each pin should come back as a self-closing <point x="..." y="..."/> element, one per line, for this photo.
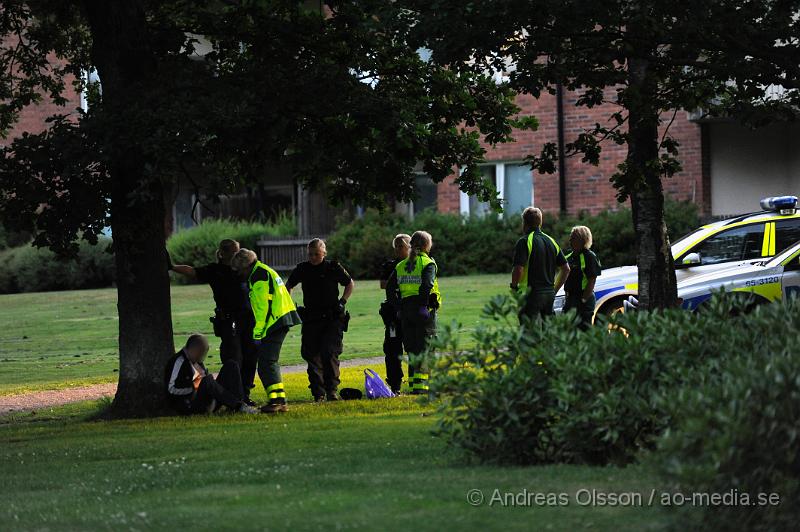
<point x="586" y="187"/>
<point x="32" y="118"/>
<point x="727" y="168"/>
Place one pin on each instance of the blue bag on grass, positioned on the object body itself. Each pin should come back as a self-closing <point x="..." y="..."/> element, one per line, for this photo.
<point x="374" y="385"/>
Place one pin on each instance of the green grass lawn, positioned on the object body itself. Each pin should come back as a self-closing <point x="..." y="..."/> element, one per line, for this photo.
<point x="347" y="465"/>
<point x="59" y="339"/>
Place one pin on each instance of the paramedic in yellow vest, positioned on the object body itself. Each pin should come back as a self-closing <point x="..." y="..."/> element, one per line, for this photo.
<point x="537" y="258"/>
<point x="583" y="272"/>
<point x="414" y="281"/>
<point x="274" y="312"/>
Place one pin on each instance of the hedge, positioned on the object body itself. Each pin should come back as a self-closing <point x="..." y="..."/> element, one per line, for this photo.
<point x="736" y="429"/>
<point x="724" y="404"/>
<point x="29" y="269"/>
<point x="197" y="246"/>
<point x="463" y="246"/>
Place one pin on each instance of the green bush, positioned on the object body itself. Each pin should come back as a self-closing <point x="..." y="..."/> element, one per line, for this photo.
<point x="528" y="396"/>
<point x="738" y="429"/>
<point x="197" y="246"/>
<point x="30" y="269"/>
<point x="464" y="246"/>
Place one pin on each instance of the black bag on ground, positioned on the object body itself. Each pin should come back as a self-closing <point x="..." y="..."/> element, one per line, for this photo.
<point x="350" y="393"/>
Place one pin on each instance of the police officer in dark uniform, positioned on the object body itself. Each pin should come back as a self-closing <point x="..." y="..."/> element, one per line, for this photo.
<point x="584" y="270"/>
<point x="393" y="338"/>
<point x="324" y="317"/>
<point x="536" y="258"/>
<point x="233" y="319"/>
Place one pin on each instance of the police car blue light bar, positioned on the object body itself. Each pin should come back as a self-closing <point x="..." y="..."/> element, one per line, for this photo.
<point x="779" y="203"/>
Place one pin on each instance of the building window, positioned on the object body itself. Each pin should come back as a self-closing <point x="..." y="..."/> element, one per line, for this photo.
<point x="427" y="193"/>
<point x="476" y="206"/>
<point x="518" y="189"/>
<point x="513" y="183"/>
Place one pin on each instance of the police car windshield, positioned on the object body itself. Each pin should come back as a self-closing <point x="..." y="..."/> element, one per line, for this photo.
<point x="684" y="242"/>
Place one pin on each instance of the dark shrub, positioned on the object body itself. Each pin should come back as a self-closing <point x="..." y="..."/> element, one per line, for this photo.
<point x="30" y="269"/>
<point x="561" y="395"/>
<point x="738" y="429"/>
<point x="13" y="239"/>
<point x="197" y="246"/>
<point x="464" y="246"/>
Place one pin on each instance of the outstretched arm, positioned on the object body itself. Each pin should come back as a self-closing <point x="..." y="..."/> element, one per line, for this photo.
<point x="184" y="269"/>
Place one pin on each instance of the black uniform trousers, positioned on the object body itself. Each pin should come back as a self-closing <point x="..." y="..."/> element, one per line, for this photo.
<point x="225" y="390"/>
<point x="393" y="354"/>
<point x="585" y="310"/>
<point x="321" y="346"/>
<point x="417" y="329"/>
<point x="538" y="305"/>
<point x="236" y="345"/>
<point x="269" y="366"/>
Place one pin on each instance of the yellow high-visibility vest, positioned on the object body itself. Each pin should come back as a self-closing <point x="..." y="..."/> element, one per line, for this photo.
<point x="410" y="283"/>
<point x="268" y="308"/>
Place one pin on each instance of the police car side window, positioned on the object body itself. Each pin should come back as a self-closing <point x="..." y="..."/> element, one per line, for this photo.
<point x="787" y="232"/>
<point x="741" y="243"/>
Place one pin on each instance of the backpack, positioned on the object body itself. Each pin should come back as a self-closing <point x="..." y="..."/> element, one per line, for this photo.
<point x="374" y="385"/>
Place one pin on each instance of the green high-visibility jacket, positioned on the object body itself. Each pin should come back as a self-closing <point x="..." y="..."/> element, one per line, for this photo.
<point x="410" y="283"/>
<point x="271" y="302"/>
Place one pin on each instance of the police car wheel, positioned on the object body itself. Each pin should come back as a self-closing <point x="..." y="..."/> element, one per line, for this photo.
<point x="615" y="306"/>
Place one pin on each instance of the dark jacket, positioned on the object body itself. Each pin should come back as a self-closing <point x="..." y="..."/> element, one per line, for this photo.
<point x="179" y="376"/>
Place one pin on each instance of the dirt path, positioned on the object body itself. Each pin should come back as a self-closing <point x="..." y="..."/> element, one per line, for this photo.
<point x="49" y="398"/>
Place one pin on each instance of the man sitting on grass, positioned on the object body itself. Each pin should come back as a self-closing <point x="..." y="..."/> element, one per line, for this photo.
<point x="193" y="390"/>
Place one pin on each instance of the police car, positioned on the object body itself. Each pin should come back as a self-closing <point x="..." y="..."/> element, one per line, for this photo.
<point x="768" y="280"/>
<point x="714" y="255"/>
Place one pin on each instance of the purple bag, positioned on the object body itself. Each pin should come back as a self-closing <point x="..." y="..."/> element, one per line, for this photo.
<point x="374" y="385"/>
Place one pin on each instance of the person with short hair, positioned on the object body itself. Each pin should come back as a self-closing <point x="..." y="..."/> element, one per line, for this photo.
<point x="233" y="319"/>
<point x="324" y="317"/>
<point x="536" y="258"/>
<point x="393" y="337"/>
<point x="193" y="390"/>
<point x="584" y="270"/>
<point x="414" y="287"/>
<point x="274" y="313"/>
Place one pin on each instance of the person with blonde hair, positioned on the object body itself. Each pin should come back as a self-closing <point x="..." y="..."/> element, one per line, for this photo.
<point x="232" y="318"/>
<point x="393" y="336"/>
<point x="536" y="258"/>
<point x="273" y="313"/>
<point x="414" y="287"/>
<point x="584" y="270"/>
<point x="324" y="317"/>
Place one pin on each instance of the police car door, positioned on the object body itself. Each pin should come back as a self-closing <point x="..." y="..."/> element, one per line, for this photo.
<point x="790" y="281"/>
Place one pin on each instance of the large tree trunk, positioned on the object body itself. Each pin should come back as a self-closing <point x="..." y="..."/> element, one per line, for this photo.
<point x="657" y="284"/>
<point x="126" y="64"/>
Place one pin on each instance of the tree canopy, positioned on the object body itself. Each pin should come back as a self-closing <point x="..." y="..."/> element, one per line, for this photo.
<point x="325" y="90"/>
